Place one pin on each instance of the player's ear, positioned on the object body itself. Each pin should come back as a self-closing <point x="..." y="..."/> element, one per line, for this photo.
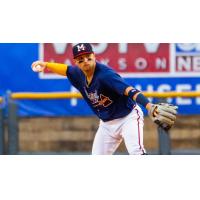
<point x="94" y="56"/>
<point x="75" y="61"/>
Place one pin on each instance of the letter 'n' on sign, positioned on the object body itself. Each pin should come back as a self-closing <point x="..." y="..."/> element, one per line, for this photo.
<point x="81" y="47"/>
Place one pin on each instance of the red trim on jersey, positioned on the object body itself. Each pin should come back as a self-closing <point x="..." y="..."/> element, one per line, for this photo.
<point x="83" y="53"/>
<point x="139" y="131"/>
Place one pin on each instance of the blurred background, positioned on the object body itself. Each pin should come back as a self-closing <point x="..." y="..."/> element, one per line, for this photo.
<point x="68" y="126"/>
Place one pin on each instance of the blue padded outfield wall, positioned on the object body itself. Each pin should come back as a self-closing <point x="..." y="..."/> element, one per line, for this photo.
<point x="149" y="67"/>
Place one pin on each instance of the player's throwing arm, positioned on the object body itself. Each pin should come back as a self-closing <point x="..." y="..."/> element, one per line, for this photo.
<point x="40" y="66"/>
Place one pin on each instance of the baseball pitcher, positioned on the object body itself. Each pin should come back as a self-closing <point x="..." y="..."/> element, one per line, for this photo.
<point x="113" y="100"/>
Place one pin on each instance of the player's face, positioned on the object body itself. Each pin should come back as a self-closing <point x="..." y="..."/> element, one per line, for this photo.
<point x="86" y="62"/>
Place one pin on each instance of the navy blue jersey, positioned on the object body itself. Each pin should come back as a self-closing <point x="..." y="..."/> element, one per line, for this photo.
<point x="105" y="93"/>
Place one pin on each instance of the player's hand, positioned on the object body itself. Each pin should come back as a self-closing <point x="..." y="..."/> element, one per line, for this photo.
<point x="163" y="114"/>
<point x="38" y="66"/>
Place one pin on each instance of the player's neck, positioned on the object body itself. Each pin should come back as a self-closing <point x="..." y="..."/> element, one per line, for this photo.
<point x="89" y="74"/>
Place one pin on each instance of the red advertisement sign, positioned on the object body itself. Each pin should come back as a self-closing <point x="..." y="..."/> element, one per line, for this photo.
<point x="125" y="58"/>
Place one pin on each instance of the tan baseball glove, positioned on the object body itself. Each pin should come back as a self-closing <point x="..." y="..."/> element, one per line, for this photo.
<point x="163" y="114"/>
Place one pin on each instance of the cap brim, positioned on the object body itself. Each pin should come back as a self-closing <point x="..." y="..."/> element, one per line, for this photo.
<point x="83" y="53"/>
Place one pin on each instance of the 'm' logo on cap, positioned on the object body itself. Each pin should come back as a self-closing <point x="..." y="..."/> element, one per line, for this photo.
<point x="81" y="47"/>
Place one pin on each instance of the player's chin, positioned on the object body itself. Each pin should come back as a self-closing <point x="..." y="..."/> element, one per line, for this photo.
<point x="86" y="68"/>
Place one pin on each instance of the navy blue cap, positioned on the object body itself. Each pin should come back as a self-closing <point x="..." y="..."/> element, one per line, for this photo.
<point x="81" y="49"/>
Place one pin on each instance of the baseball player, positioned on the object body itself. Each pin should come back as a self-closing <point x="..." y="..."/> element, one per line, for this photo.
<point x="113" y="100"/>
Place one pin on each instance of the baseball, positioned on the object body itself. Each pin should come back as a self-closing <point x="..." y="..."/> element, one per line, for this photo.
<point x="37" y="68"/>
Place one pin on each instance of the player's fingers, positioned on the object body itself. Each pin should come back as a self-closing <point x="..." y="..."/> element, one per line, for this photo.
<point x="38" y="66"/>
<point x="35" y="64"/>
<point x="41" y="63"/>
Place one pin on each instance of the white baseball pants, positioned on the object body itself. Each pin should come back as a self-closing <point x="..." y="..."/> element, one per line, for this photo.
<point x="110" y="134"/>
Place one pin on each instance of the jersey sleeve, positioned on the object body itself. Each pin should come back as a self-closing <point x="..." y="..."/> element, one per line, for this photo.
<point x="71" y="71"/>
<point x="73" y="74"/>
<point x="115" y="82"/>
